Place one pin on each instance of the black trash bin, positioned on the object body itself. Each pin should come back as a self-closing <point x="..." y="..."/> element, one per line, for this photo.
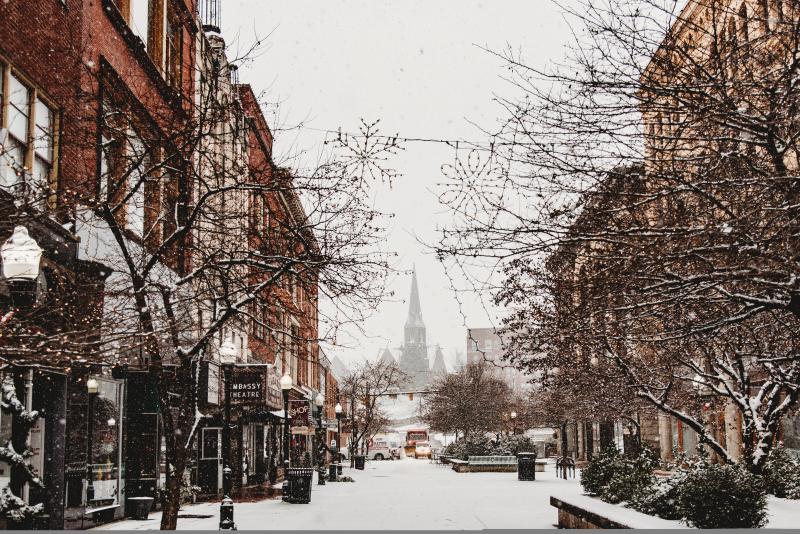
<point x="359" y="461"/>
<point x="139" y="507"/>
<point x="339" y="468"/>
<point x="526" y="466"/>
<point x="299" y="487"/>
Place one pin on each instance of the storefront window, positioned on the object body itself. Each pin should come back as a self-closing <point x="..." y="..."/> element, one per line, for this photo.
<point x="5" y="437"/>
<point x="107" y="420"/>
<point x="211" y="447"/>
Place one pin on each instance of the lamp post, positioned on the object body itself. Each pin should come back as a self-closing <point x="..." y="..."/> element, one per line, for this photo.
<point x="319" y="400"/>
<point x="338" y="410"/>
<point x="227" y="356"/>
<point x="91" y="389"/>
<point x="286" y="385"/>
<point x="514" y="422"/>
<point x="21" y="257"/>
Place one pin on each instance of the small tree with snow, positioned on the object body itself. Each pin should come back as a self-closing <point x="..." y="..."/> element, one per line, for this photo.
<point x="16" y="452"/>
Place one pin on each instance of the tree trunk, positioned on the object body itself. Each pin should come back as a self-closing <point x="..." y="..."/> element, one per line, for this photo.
<point x="171" y="503"/>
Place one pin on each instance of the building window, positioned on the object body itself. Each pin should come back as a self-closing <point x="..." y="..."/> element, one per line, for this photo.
<point x="173" y="48"/>
<point x="134" y="206"/>
<point x="139" y="19"/>
<point x="28" y="142"/>
<point x="260" y="316"/>
<point x="211" y="448"/>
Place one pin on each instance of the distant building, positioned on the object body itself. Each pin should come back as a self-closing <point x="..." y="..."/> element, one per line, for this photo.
<point x="485" y="346"/>
<point x="439" y="368"/>
<point x="387" y="357"/>
<point x="414" y="352"/>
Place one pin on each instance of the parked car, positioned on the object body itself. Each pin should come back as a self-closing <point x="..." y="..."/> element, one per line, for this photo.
<point x="377" y="451"/>
<point x="422" y="450"/>
<point x="380" y="450"/>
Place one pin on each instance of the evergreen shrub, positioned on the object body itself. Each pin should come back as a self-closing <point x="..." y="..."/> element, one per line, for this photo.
<point x="596" y="476"/>
<point x="723" y="496"/>
<point x="630" y="478"/>
<point x="782" y="474"/>
<point x="661" y="498"/>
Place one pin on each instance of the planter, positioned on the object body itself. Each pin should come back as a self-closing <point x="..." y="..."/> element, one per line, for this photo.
<point x="139" y="507"/>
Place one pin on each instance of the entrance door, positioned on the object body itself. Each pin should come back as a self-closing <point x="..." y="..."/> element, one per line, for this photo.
<point x="209" y="472"/>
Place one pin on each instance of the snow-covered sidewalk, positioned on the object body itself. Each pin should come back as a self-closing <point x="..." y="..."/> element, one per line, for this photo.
<point x="406" y="494"/>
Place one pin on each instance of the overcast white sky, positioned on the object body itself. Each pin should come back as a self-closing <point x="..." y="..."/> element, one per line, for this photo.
<point x="418" y="67"/>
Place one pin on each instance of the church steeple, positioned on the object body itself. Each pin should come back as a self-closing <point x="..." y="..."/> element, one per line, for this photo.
<point x="414" y="308"/>
<point x="414" y="357"/>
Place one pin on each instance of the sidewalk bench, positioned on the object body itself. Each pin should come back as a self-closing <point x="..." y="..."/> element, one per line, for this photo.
<point x="492" y="460"/>
<point x="476" y="464"/>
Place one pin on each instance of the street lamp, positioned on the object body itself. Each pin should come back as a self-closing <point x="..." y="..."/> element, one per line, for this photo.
<point x="319" y="400"/>
<point x="227" y="356"/>
<point x="91" y="388"/>
<point x="514" y="422"/>
<point x="21" y="257"/>
<point x="286" y="385"/>
<point x="338" y="410"/>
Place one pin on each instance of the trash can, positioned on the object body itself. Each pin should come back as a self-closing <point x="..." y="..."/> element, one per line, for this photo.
<point x="339" y="468"/>
<point x="332" y="472"/>
<point x="359" y="461"/>
<point x="299" y="487"/>
<point x="139" y="507"/>
<point x="526" y="466"/>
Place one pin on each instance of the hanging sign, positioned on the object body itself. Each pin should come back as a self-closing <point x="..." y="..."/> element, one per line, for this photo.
<point x="212" y="396"/>
<point x="248" y="385"/>
<point x="299" y="413"/>
<point x="274" y="390"/>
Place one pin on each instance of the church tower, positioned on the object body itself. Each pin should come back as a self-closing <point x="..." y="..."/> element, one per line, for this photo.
<point x="414" y="357"/>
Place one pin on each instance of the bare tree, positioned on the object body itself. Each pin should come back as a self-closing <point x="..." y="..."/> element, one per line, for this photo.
<point x="364" y="387"/>
<point x="641" y="200"/>
<point x="471" y="399"/>
<point x="200" y="239"/>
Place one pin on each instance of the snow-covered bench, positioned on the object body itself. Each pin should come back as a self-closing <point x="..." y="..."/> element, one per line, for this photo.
<point x="492" y="460"/>
<point x="485" y="463"/>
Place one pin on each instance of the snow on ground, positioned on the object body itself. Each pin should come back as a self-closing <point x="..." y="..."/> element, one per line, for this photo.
<point x="415" y="495"/>
<point x="407" y="495"/>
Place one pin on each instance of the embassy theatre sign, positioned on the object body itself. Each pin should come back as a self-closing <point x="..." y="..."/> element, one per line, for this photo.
<point x="255" y="385"/>
<point x="249" y="385"/>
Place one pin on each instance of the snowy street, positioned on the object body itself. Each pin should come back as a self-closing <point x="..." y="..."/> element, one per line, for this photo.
<point x="406" y="494"/>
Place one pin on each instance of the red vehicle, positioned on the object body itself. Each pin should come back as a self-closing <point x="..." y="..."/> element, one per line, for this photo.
<point x="412" y="437"/>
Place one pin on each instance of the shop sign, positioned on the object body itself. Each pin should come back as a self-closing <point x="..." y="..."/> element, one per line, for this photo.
<point x="274" y="389"/>
<point x="213" y="383"/>
<point x="299" y="412"/>
<point x="248" y="385"/>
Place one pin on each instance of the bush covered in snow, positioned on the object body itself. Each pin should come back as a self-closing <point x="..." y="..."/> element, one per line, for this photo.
<point x="723" y="496"/>
<point x="473" y="444"/>
<point x="615" y="478"/>
<point x="661" y="498"/>
<point x="596" y="476"/>
<point x="782" y="474"/>
<point x="630" y="478"/>
<point x="511" y="445"/>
